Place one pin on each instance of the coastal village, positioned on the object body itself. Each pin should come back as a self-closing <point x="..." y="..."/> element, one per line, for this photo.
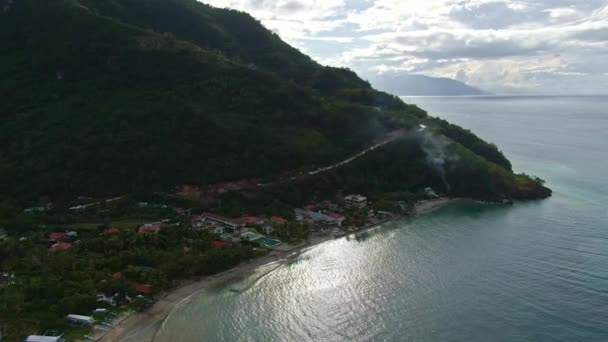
<point x="317" y="220"/>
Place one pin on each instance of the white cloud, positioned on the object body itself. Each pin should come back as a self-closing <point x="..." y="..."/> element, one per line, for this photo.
<point x="494" y="44"/>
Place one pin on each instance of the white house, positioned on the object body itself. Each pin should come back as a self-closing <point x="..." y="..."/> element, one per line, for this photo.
<point x="431" y="193"/>
<point x="79" y="320"/>
<point x="319" y="217"/>
<point x="44" y="338"/>
<point x="101" y="298"/>
<point x="355" y="201"/>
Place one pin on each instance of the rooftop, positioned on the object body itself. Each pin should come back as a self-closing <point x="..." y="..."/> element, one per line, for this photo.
<point x="144" y="288"/>
<point x="62" y="246"/>
<point x="149" y="230"/>
<point x="41" y="338"/>
<point x="278" y="219"/>
<point x="110" y="231"/>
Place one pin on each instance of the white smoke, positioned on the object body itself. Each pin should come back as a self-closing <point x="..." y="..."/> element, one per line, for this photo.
<point x="436" y="149"/>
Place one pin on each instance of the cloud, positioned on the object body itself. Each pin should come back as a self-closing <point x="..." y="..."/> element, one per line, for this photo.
<point x="529" y="45"/>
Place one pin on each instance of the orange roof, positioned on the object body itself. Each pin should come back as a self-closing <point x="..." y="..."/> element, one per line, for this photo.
<point x="62" y="246"/>
<point x="247" y="220"/>
<point x="220" y="244"/>
<point x="336" y="216"/>
<point x="109" y="231"/>
<point x="117" y="276"/>
<point x="149" y="230"/>
<point x="186" y="249"/>
<point x="57" y="236"/>
<point x="278" y="219"/>
<point x="144" y="288"/>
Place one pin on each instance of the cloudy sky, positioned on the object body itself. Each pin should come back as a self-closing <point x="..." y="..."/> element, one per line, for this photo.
<point x="503" y="46"/>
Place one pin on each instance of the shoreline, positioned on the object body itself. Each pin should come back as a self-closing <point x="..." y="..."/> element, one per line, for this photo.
<point x="143" y="326"/>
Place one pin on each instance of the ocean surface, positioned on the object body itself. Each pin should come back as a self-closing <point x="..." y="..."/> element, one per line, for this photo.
<point x="537" y="271"/>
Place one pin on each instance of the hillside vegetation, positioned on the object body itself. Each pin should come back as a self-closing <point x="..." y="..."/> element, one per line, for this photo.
<point x="104" y="97"/>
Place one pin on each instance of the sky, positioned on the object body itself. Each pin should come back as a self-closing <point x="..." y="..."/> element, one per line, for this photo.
<point x="501" y="46"/>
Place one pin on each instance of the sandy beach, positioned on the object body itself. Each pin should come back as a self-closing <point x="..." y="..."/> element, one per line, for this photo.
<point x="142" y="327"/>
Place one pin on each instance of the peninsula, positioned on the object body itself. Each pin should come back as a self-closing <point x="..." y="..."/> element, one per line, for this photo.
<point x="150" y="142"/>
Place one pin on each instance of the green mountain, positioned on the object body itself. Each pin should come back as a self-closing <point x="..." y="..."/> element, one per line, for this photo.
<point x="104" y="97"/>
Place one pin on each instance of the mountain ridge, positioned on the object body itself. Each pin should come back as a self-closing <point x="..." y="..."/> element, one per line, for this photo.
<point x="422" y="85"/>
<point x="110" y="96"/>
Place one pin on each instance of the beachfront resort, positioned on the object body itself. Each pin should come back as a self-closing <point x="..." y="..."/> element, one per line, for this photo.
<point x="153" y="247"/>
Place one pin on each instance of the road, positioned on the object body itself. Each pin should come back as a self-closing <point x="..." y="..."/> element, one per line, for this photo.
<point x="390" y="137"/>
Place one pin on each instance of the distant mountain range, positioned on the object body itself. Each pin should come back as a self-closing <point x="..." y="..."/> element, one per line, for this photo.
<point x="421" y="85"/>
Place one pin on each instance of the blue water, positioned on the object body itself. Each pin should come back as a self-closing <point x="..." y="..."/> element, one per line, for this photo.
<point x="537" y="271"/>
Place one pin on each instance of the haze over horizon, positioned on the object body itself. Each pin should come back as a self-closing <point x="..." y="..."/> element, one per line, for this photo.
<point x="501" y="46"/>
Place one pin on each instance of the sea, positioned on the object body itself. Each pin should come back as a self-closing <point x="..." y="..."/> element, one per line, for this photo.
<point x="535" y="271"/>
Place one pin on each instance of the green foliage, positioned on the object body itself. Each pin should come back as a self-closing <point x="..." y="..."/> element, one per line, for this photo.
<point x="107" y="97"/>
<point x="470" y="141"/>
<point x="49" y="286"/>
<point x="291" y="232"/>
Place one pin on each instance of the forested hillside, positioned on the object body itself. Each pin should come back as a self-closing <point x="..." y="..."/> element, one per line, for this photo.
<point x="104" y="97"/>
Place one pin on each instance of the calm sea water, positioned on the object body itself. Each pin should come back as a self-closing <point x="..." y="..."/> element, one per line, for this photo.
<point x="536" y="271"/>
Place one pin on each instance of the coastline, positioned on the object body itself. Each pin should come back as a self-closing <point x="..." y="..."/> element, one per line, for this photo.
<point x="142" y="327"/>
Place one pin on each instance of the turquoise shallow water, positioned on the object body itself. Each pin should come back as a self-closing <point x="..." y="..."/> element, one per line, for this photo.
<point x="536" y="271"/>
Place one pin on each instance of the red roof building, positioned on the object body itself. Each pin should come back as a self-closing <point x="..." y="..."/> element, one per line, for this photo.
<point x="223" y="220"/>
<point x="144" y="288"/>
<point x="278" y="219"/>
<point x="221" y="244"/>
<point x="117" y="276"/>
<point x="336" y="216"/>
<point x="248" y="220"/>
<point x="186" y="249"/>
<point x="310" y="207"/>
<point x="109" y="231"/>
<point x="145" y="230"/>
<point x="57" y="236"/>
<point x="62" y="246"/>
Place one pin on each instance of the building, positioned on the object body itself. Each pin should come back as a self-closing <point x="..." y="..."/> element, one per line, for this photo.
<point x="34" y="210"/>
<point x="319" y="217"/>
<point x="44" y="338"/>
<point x="227" y="222"/>
<point x="249" y="220"/>
<point x="61" y="246"/>
<point x="337" y="219"/>
<point x="109" y="231"/>
<point x="430" y="193"/>
<point x="221" y="244"/>
<point x="7" y="278"/>
<point x="219" y="230"/>
<point x="355" y="201"/>
<point x="278" y="220"/>
<point x="310" y="207"/>
<point x="102" y="298"/>
<point x="144" y="288"/>
<point x="57" y="236"/>
<point x="328" y="205"/>
<point x="79" y="320"/>
<point x="149" y="228"/>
